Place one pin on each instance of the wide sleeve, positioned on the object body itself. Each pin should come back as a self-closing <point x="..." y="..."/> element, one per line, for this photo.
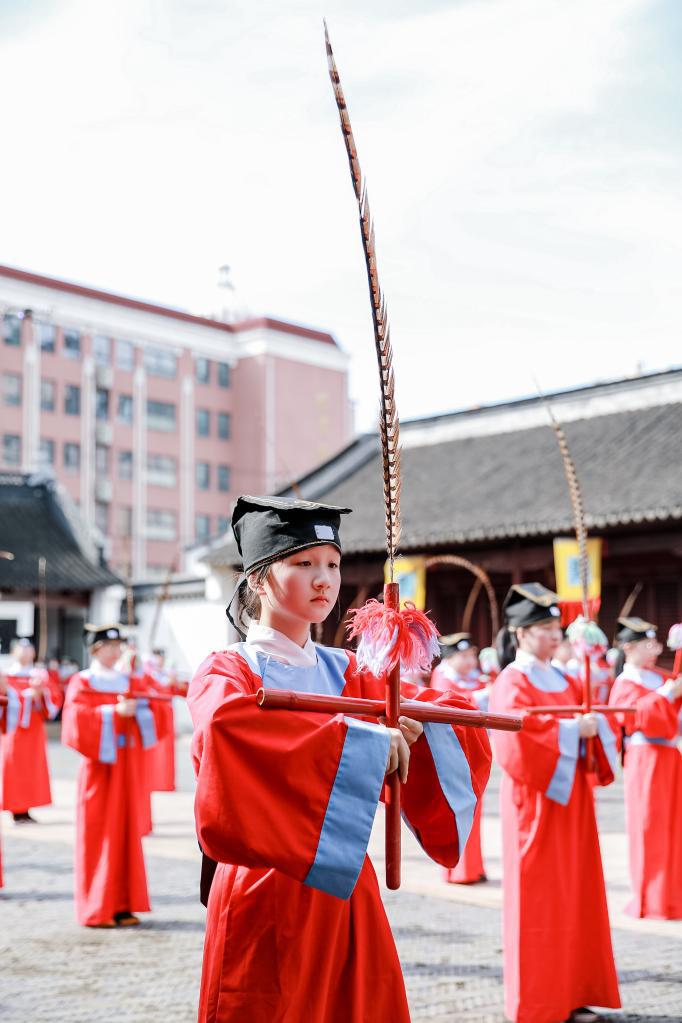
<point x="544" y="754"/>
<point x="11" y="711"/>
<point x="89" y="724"/>
<point x="449" y="770"/>
<point x="52" y="695"/>
<point x="657" y="715"/>
<point x="293" y="791"/>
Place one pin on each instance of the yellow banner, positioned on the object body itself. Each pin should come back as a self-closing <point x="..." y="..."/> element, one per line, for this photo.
<point x="567" y="569"/>
<point x="410" y="573"/>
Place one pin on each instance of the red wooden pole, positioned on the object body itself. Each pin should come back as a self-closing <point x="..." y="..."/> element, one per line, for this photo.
<point x="418" y="710"/>
<point x="677" y="666"/>
<point x="598" y="708"/>
<point x="590" y="761"/>
<point x="392" y="789"/>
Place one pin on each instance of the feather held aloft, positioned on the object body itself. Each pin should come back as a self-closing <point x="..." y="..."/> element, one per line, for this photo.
<point x="388" y="637"/>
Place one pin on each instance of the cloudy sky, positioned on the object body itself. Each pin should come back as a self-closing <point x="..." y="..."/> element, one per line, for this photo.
<point x="523" y="159"/>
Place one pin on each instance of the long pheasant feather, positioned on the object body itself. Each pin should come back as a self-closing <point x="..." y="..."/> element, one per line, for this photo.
<point x="577" y="505"/>
<point x="389" y="424"/>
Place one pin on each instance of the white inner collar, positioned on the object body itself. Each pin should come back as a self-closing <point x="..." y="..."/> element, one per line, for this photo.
<point x="642" y="676"/>
<point x="272" y="643"/>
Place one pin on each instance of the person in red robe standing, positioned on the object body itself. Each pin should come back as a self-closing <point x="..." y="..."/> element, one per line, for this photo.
<point x="25" y="773"/>
<point x="161" y="758"/>
<point x="459" y="671"/>
<point x="653" y="773"/>
<point x="112" y="732"/>
<point x="286" y="800"/>
<point x="9" y="716"/>
<point x="558" y="958"/>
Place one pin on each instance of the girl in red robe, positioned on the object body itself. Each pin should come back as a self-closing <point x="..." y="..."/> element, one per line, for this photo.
<point x="557" y="942"/>
<point x="285" y="800"/>
<point x="653" y="773"/>
<point x="10" y="712"/>
<point x="459" y="671"/>
<point x="25" y="774"/>
<point x="112" y="733"/>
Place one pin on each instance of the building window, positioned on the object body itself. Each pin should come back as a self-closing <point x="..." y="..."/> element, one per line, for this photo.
<point x="224" y="425"/>
<point x="11" y="449"/>
<point x="203" y="473"/>
<point x="11" y="329"/>
<point x="203" y="527"/>
<point x="125" y="355"/>
<point x="160" y="362"/>
<point x="203" y="422"/>
<point x="102" y="460"/>
<point x="162" y="471"/>
<point x="125" y="408"/>
<point x="46" y="335"/>
<point x="72" y="457"/>
<point x="72" y="399"/>
<point x="223" y="477"/>
<point x="47" y="395"/>
<point x="160" y="524"/>
<point x="222" y="524"/>
<point x="46" y="452"/>
<point x="102" y="403"/>
<point x="203" y="371"/>
<point x="124" y="521"/>
<point x="223" y="374"/>
<point x="161" y="416"/>
<point x="102" y="517"/>
<point x="125" y="465"/>
<point x="11" y="388"/>
<point x="101" y="347"/>
<point x="72" y="344"/>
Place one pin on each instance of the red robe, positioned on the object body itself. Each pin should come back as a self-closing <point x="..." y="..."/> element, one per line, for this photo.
<point x="9" y="716"/>
<point x="161" y="758"/>
<point x="557" y="940"/>
<point x="109" y="864"/>
<point x="285" y="803"/>
<point x="653" y="793"/>
<point x="25" y="774"/>
<point x="470" y="867"/>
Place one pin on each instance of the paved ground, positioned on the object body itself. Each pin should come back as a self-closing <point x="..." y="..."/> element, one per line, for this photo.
<point x="448" y="937"/>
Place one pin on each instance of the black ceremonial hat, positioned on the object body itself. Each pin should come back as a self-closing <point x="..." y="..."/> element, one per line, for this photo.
<point x="268" y="529"/>
<point x="635" y="629"/>
<point x="529" y="604"/>
<point x="102" y="633"/>
<point x="454" y="642"/>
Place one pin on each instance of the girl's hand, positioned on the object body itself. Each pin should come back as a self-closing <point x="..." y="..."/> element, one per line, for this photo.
<point x="589" y="725"/>
<point x="398" y="755"/>
<point x="126" y="708"/>
<point x="411" y="729"/>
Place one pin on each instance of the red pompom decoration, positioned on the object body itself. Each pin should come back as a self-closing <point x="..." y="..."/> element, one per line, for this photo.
<point x="388" y="637"/>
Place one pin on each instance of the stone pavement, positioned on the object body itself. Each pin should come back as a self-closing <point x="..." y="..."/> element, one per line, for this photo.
<point x="448" y="937"/>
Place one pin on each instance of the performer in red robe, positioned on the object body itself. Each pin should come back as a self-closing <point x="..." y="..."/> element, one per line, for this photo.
<point x="285" y="800"/>
<point x="161" y="758"/>
<point x="459" y="671"/>
<point x="653" y="773"/>
<point x="9" y="716"/>
<point x="112" y="733"/>
<point x="557" y="943"/>
<point x="25" y="774"/>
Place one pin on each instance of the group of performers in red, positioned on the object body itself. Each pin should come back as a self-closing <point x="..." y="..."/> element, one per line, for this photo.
<point x="285" y="801"/>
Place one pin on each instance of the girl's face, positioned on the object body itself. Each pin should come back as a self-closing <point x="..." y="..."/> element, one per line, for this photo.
<point x="109" y="653"/>
<point x="464" y="661"/>
<point x="541" y="640"/>
<point x="301" y="589"/>
<point x="643" y="654"/>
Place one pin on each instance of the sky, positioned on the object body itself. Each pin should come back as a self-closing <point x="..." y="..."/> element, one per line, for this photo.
<point x="523" y="161"/>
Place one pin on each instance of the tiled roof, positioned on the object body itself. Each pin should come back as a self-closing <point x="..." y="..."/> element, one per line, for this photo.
<point x="508" y="485"/>
<point x="36" y="523"/>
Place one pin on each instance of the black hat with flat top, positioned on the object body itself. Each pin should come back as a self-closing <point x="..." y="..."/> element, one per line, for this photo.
<point x="102" y="634"/>
<point x="455" y="642"/>
<point x="530" y="604"/>
<point x="268" y="529"/>
<point x="633" y="630"/>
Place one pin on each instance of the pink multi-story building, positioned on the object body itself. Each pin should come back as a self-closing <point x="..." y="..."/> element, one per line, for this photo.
<point x="154" y="419"/>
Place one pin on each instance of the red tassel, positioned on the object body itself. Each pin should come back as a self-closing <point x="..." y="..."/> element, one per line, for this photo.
<point x="388" y="637"/>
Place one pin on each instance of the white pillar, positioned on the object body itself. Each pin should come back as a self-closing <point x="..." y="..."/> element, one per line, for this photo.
<point x="186" y="466"/>
<point x="88" y="422"/>
<point x="139" y="556"/>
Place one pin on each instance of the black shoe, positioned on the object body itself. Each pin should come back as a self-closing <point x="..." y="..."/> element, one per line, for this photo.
<point x="126" y="919"/>
<point x="583" y="1015"/>
<point x="24" y="818"/>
